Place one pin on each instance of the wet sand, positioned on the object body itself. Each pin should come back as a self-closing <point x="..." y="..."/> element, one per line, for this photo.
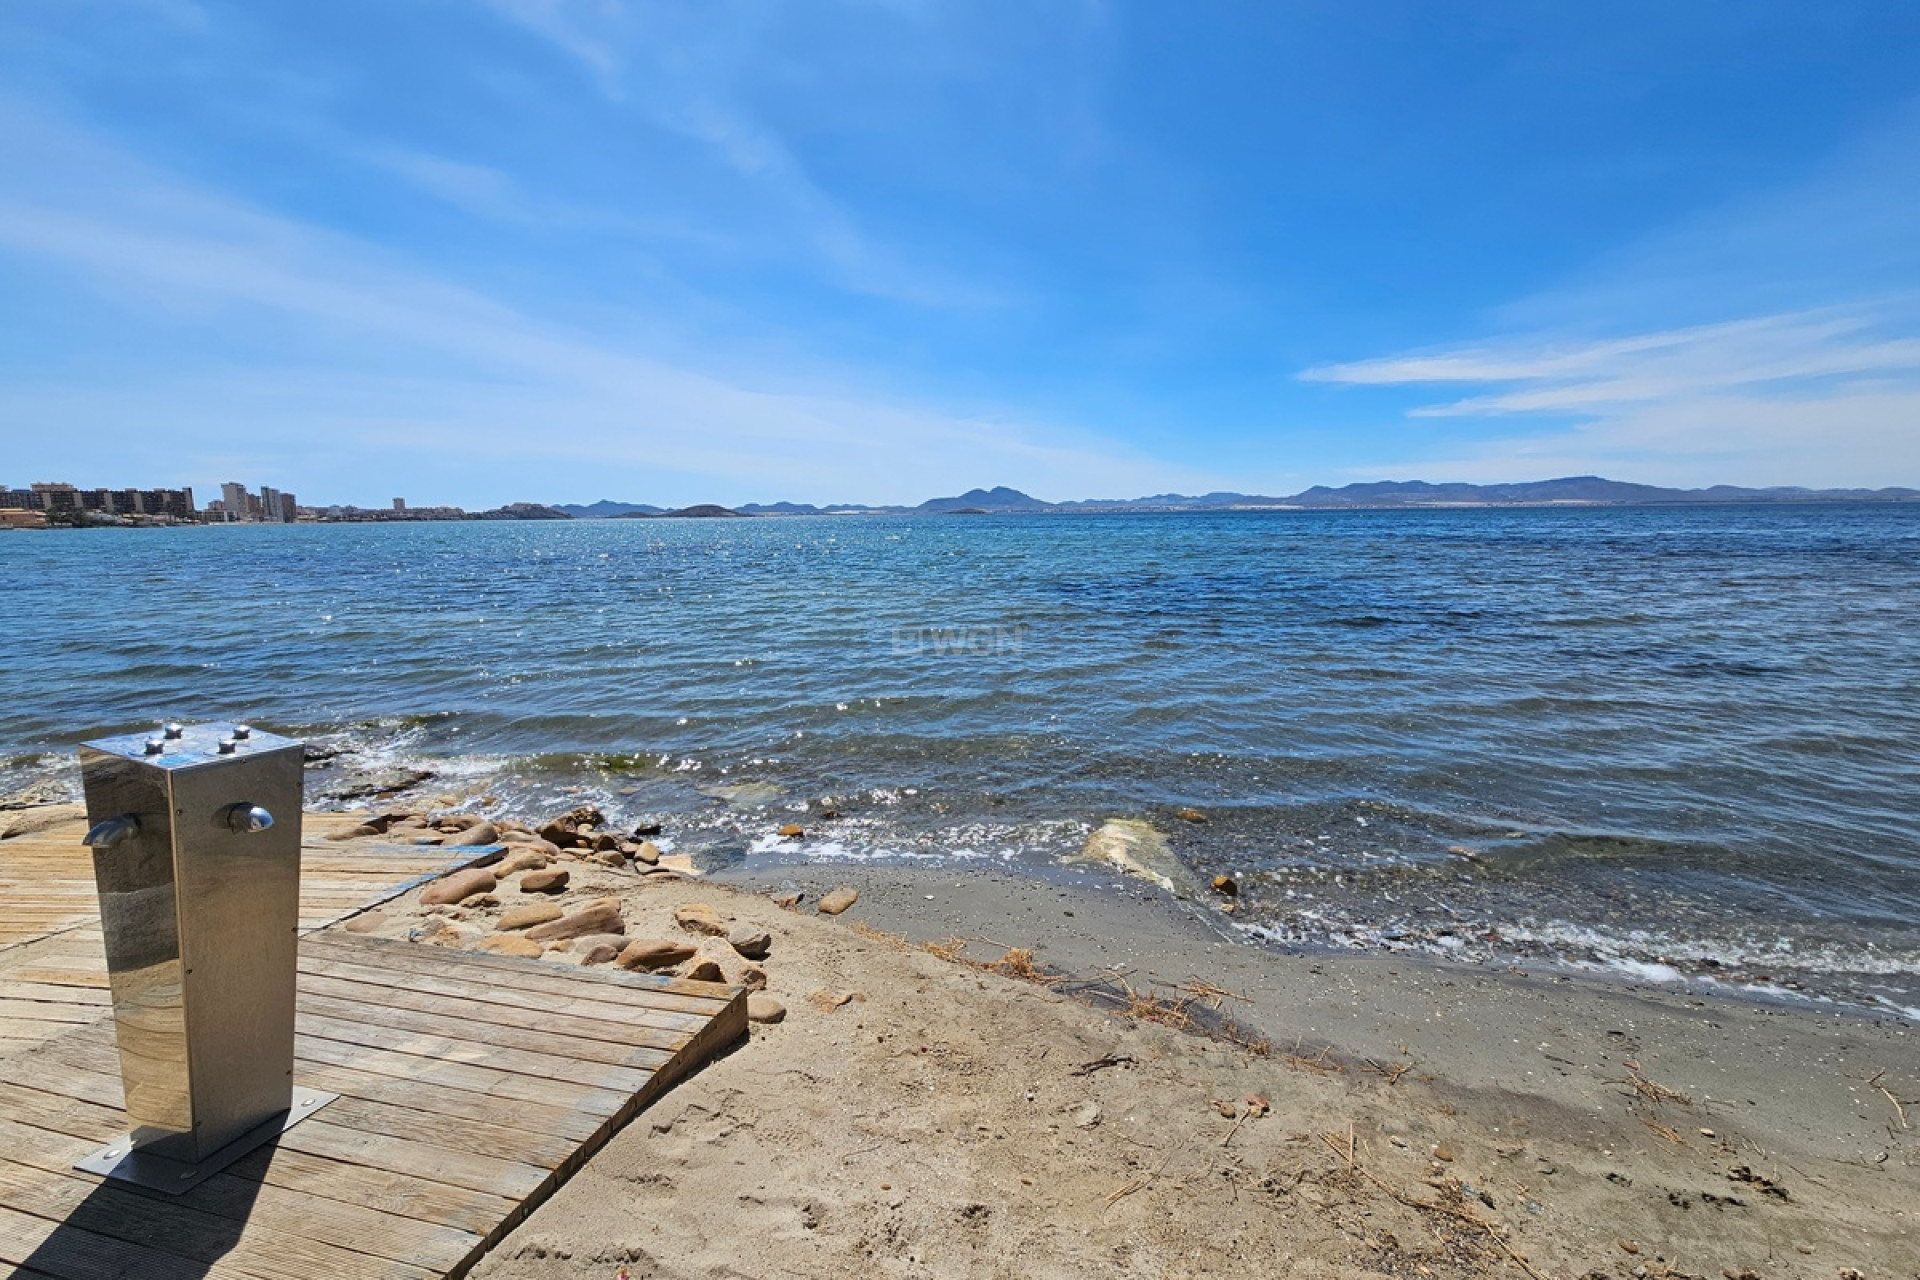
<point x="918" y="1115"/>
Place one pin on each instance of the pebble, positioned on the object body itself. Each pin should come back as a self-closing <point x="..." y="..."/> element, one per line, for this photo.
<point x="614" y="857"/>
<point x="461" y="884"/>
<point x="606" y="842"/>
<point x="792" y="831"/>
<point x="485" y="833"/>
<point x="698" y="917"/>
<point x="704" y="971"/>
<point x="528" y="916"/>
<point x="511" y="944"/>
<point x="762" y="1007"/>
<point x="787" y="901"/>
<point x="648" y="852"/>
<point x="839" y="900"/>
<point x="751" y="941"/>
<point x="655" y="953"/>
<point x="598" y="953"/>
<point x="545" y="880"/>
<point x="602" y="915"/>
<point x="1226" y="885"/>
<point x="1190" y="815"/>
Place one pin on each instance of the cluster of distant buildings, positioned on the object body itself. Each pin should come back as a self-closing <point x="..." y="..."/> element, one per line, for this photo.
<point x="52" y="502"/>
<point x="57" y="503"/>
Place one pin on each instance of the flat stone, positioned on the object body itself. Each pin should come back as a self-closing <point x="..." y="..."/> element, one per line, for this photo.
<point x="610" y="857"/>
<point x="461" y="884"/>
<point x="698" y="917"/>
<point x="647" y="852"/>
<point x="651" y="954"/>
<point x="512" y="944"/>
<point x="528" y="916"/>
<point x="762" y="1007"/>
<point x="602" y="915"/>
<point x="545" y="880"/>
<point x="482" y="834"/>
<point x="750" y="941"/>
<point x="839" y="900"/>
<point x="521" y="859"/>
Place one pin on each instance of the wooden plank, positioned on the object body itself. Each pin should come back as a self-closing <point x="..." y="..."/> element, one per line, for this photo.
<point x="439" y="958"/>
<point x="475" y="988"/>
<point x="69" y="1130"/>
<point x="72" y="1254"/>
<point x="648" y="1048"/>
<point x="251" y="1246"/>
<point x="614" y="1032"/>
<point x="472" y="1087"/>
<point x="455" y="1075"/>
<point x="81" y="1050"/>
<point x="413" y="959"/>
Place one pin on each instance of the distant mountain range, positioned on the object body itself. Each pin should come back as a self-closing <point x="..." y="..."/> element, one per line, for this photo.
<point x="1568" y="491"/>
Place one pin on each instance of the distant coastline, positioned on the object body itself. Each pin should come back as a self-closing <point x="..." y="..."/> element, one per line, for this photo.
<point x="1413" y="495"/>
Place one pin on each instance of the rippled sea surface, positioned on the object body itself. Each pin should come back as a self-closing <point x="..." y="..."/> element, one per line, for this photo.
<point x="1678" y="742"/>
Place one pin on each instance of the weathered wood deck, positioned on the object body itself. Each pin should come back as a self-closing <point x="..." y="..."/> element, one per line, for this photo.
<point x="53" y="967"/>
<point x="471" y="1086"/>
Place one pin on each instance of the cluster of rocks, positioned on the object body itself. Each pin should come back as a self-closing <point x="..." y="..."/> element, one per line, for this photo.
<point x="515" y="904"/>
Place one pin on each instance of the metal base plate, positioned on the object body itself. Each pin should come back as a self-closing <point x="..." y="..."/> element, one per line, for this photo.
<point x="157" y="1173"/>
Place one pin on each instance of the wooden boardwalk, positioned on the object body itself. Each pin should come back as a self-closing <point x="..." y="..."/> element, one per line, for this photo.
<point x="471" y="1086"/>
<point x="53" y="967"/>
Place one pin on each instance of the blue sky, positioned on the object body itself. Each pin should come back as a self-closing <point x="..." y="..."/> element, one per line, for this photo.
<point x="478" y="251"/>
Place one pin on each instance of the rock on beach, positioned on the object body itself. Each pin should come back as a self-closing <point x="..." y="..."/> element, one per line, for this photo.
<point x="838" y="900"/>
<point x="698" y="917"/>
<point x="653" y="954"/>
<point x="528" y="916"/>
<point x="459" y="885"/>
<point x="602" y="915"/>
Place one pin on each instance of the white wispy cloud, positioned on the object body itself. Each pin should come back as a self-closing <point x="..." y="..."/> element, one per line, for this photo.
<point x="483" y="379"/>
<point x="1830" y="396"/>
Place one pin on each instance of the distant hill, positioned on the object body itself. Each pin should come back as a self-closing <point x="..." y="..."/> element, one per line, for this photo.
<point x="701" y="511"/>
<point x="1589" y="490"/>
<point x="999" y="498"/>
<point x="605" y="508"/>
<point x="1568" y="490"/>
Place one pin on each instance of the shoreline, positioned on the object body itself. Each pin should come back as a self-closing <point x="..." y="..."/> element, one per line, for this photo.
<point x="976" y="1071"/>
<point x="1328" y="998"/>
<point x="959" y="1052"/>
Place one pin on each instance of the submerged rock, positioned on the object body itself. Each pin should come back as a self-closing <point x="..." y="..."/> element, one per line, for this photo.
<point x="743" y="795"/>
<point x="1134" y="848"/>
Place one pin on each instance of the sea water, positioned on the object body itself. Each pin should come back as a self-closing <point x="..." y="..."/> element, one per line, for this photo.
<point x="1682" y="743"/>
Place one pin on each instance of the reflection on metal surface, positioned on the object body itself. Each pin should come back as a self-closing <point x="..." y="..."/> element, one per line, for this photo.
<point x="199" y="904"/>
<point x="105" y="835"/>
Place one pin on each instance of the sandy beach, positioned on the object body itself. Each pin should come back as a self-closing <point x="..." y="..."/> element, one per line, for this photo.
<point x="980" y="1073"/>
